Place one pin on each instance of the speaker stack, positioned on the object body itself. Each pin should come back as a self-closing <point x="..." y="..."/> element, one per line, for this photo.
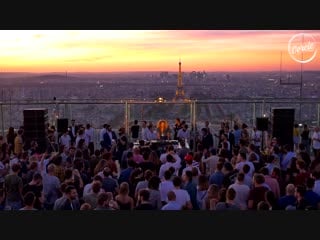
<point x="262" y="124"/>
<point x="282" y="125"/>
<point x="62" y="125"/>
<point x="34" y="122"/>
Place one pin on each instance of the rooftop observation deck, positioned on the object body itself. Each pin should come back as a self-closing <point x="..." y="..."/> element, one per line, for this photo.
<point x="122" y="112"/>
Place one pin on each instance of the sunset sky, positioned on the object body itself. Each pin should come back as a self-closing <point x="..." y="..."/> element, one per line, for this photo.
<point x="148" y="50"/>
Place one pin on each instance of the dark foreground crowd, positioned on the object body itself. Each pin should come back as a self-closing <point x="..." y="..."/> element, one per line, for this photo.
<point x="237" y="174"/>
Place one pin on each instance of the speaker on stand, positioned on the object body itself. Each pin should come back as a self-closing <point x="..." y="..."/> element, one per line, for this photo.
<point x="62" y="125"/>
<point x="34" y="123"/>
<point x="282" y="125"/>
<point x="262" y="125"/>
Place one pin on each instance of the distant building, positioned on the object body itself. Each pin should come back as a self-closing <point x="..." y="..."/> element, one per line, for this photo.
<point x="164" y="75"/>
<point x="198" y="75"/>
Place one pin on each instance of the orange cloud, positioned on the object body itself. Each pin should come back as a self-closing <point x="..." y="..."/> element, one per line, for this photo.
<point x="131" y="50"/>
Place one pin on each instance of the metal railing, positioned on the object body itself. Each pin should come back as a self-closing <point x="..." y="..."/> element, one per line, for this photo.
<point x="123" y="112"/>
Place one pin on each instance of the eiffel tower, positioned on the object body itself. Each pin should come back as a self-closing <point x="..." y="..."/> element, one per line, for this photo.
<point x="179" y="91"/>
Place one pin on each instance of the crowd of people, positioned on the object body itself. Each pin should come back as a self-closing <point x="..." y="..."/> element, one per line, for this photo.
<point x="237" y="173"/>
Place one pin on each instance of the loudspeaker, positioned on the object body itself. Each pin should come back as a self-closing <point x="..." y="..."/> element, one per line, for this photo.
<point x="34" y="123"/>
<point x="62" y="125"/>
<point x="262" y="124"/>
<point x="282" y="126"/>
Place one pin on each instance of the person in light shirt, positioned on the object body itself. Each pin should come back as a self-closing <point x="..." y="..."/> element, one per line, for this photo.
<point x="170" y="150"/>
<point x="151" y="133"/>
<point x="89" y="138"/>
<point x="242" y="161"/>
<point x="144" y="131"/>
<point x="256" y="138"/>
<point x="65" y="140"/>
<point x="189" y="159"/>
<point x="316" y="175"/>
<point x="182" y="196"/>
<point x="242" y="191"/>
<point x="288" y="155"/>
<point x="316" y="141"/>
<point x="171" y="162"/>
<point x="101" y="133"/>
<point x="165" y="186"/>
<point x="184" y="133"/>
<point x="172" y="203"/>
<point x="210" y="159"/>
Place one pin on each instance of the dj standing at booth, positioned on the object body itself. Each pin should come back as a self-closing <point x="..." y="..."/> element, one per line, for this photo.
<point x="163" y="130"/>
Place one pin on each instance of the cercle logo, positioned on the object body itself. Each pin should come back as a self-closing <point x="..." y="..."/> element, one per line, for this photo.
<point x="302" y="47"/>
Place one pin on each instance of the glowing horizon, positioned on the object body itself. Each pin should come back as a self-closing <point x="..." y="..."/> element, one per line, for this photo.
<point x="149" y="50"/>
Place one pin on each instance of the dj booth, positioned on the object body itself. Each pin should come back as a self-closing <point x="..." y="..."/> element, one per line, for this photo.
<point x="160" y="144"/>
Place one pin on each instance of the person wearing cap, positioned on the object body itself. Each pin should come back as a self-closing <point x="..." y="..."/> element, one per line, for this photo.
<point x="189" y="163"/>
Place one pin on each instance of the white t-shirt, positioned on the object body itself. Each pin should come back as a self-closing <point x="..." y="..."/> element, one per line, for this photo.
<point x="189" y="168"/>
<point x="151" y="134"/>
<point x="102" y="132"/>
<point x="256" y="137"/>
<point x="316" y="187"/>
<point x="89" y="135"/>
<point x="141" y="185"/>
<point x="88" y="189"/>
<point x="183" y="134"/>
<point x="163" y="157"/>
<point x="248" y="181"/>
<point x="164" y="167"/>
<point x="211" y="163"/>
<point x="242" y="194"/>
<point x="144" y="133"/>
<point x="172" y="205"/>
<point x="65" y="140"/>
<point x="182" y="196"/>
<point x="239" y="167"/>
<point x="164" y="188"/>
<point x="316" y="143"/>
<point x="79" y="137"/>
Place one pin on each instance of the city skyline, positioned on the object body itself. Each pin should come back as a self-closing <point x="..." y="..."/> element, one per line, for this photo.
<point x="148" y="50"/>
